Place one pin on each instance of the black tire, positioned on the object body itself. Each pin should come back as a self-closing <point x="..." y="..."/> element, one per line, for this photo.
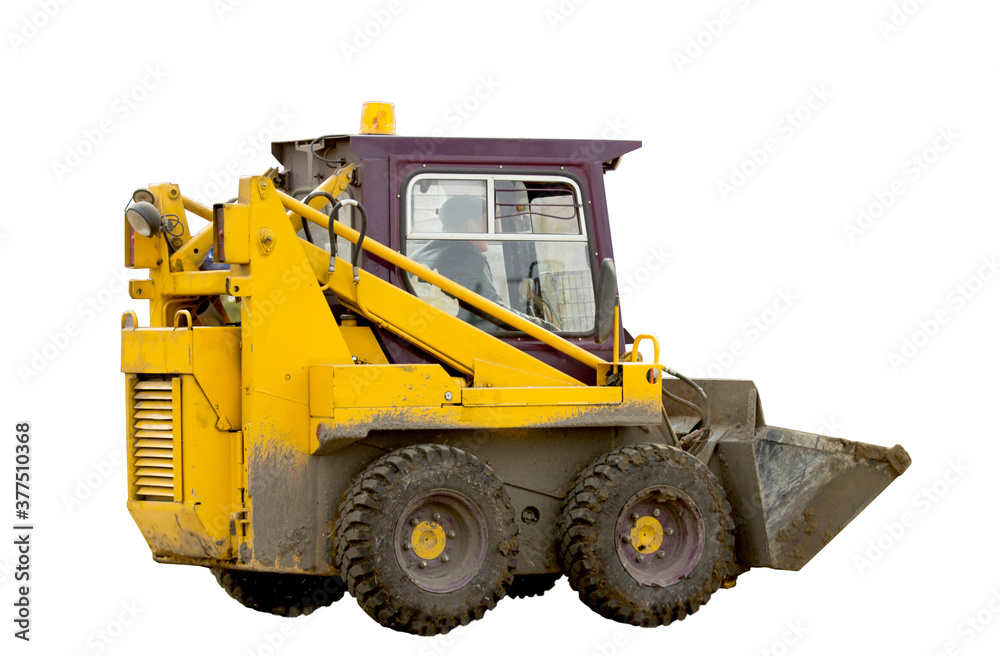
<point x="381" y="551"/>
<point x="601" y="559"/>
<point x="531" y="585"/>
<point x="287" y="595"/>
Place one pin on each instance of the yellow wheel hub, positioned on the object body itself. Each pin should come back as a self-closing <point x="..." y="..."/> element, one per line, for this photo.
<point x="646" y="534"/>
<point x="428" y="540"/>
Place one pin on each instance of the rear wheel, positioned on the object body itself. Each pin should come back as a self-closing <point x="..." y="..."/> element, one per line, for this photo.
<point x="426" y="539"/>
<point x="287" y="595"/>
<point x="646" y="535"/>
<point x="531" y="585"/>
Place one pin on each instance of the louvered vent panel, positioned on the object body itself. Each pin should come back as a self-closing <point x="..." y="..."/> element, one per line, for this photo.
<point x="153" y="439"/>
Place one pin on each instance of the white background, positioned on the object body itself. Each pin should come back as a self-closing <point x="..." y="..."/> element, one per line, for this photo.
<point x="545" y="69"/>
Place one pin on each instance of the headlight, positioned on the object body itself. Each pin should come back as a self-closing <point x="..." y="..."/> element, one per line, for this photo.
<point x="144" y="218"/>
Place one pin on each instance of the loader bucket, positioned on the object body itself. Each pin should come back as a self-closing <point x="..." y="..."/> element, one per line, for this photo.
<point x="791" y="492"/>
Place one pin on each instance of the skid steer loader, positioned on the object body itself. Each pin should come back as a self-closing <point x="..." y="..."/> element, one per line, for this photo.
<point x="396" y="367"/>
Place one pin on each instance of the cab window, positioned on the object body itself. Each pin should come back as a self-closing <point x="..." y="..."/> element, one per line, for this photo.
<point x="520" y="241"/>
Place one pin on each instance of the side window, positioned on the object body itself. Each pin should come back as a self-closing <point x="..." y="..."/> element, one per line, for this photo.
<point x="543" y="208"/>
<point x="518" y="240"/>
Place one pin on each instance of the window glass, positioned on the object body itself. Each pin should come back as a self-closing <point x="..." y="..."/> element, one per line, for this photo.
<point x="538" y="207"/>
<point x="429" y="196"/>
<point x="518" y="241"/>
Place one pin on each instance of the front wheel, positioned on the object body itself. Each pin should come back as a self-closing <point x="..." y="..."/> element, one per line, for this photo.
<point x="426" y="539"/>
<point x="646" y="535"/>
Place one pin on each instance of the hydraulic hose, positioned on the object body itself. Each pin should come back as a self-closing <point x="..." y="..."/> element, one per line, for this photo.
<point x="305" y="222"/>
<point x="355" y="248"/>
<point x="706" y="413"/>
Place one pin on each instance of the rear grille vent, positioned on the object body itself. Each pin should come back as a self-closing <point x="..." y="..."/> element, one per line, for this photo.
<point x="153" y="439"/>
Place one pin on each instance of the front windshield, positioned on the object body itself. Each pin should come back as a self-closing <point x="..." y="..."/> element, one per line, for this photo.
<point x="518" y="241"/>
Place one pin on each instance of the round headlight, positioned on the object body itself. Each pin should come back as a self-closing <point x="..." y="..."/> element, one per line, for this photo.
<point x="144" y="218"/>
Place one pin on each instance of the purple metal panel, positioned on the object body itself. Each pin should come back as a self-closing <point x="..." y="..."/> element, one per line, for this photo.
<point x="566" y="150"/>
<point x="375" y="198"/>
<point x="386" y="162"/>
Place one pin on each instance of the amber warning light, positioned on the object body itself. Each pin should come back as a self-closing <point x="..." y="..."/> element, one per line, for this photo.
<point x="378" y="118"/>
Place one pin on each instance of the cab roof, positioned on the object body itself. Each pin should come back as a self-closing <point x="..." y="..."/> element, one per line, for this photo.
<point x="607" y="152"/>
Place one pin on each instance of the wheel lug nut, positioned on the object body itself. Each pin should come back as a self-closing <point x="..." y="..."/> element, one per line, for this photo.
<point x="635" y="517"/>
<point x="656" y="512"/>
<point x="407" y="547"/>
<point x="451" y="534"/>
<point x="423" y="564"/>
<point x="437" y="517"/>
<point x="414" y="522"/>
<point x="625" y="539"/>
<point x="669" y="531"/>
<point x="660" y="554"/>
<point x="445" y="558"/>
<point x="639" y="558"/>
